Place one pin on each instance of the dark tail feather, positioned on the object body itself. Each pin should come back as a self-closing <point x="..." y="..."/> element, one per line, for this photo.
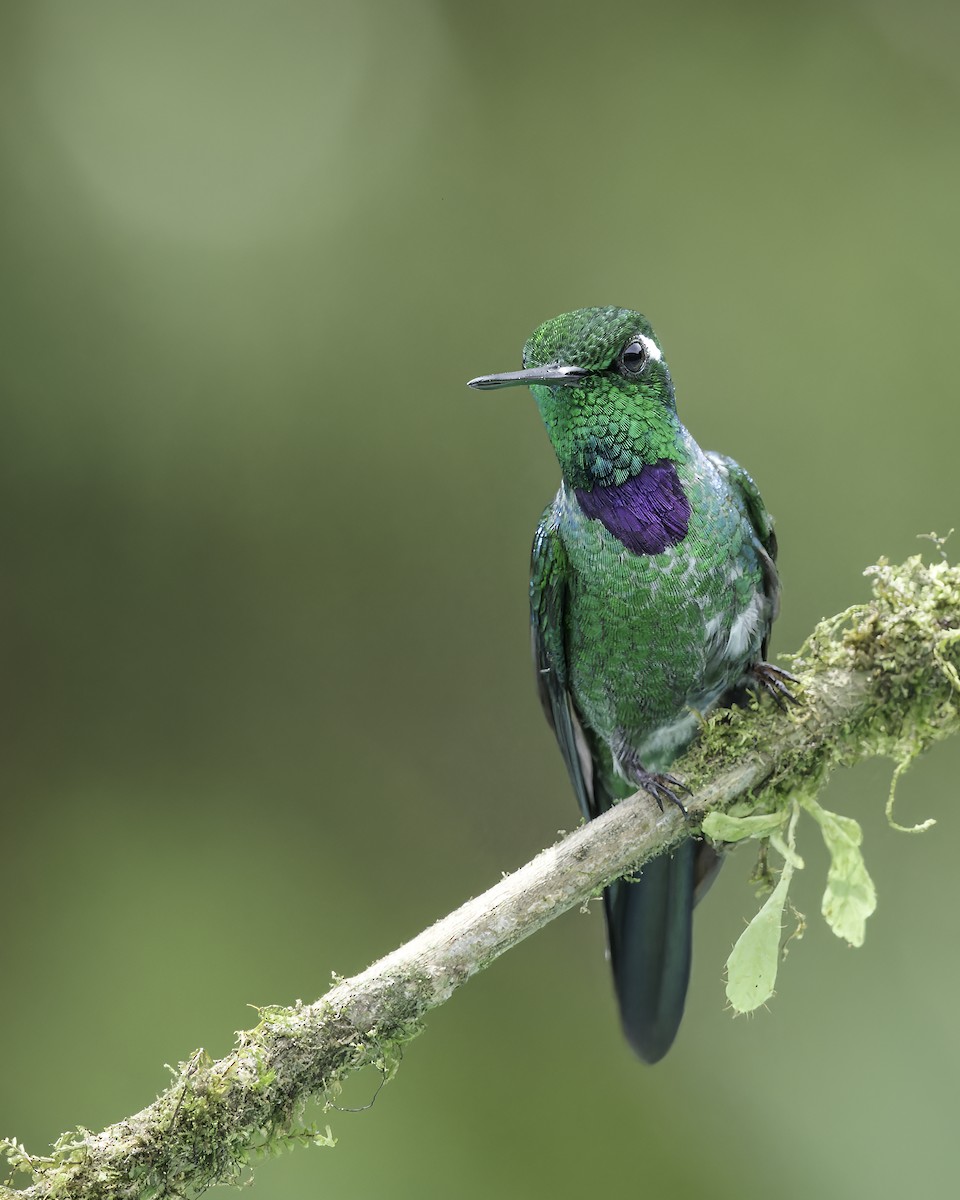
<point x="650" y="927"/>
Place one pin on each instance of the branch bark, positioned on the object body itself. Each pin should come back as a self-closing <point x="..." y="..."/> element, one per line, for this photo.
<point x="880" y="679"/>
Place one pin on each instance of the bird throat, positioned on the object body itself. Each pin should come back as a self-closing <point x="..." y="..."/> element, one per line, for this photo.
<point x="648" y="512"/>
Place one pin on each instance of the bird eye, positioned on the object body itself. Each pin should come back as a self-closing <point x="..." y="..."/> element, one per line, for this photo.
<point x="633" y="358"/>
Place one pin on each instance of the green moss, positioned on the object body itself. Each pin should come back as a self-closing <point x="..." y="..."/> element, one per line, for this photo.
<point x="889" y="669"/>
<point x="219" y="1116"/>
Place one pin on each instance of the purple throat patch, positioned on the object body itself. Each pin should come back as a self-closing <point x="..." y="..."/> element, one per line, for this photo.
<point x="647" y="513"/>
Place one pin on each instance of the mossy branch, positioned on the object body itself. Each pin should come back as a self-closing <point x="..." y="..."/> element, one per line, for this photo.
<point x="882" y="678"/>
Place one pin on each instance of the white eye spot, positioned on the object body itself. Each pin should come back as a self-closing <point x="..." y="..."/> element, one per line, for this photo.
<point x="651" y="347"/>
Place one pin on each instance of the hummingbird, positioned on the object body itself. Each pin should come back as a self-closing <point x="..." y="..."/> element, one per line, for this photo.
<point x="652" y="593"/>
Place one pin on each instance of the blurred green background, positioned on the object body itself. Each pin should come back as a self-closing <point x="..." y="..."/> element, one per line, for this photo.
<point x="269" y="706"/>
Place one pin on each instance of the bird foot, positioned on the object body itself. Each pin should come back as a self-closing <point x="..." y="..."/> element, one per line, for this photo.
<point x="773" y="680"/>
<point x="661" y="788"/>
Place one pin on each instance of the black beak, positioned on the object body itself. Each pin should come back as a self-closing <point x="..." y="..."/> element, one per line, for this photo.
<point x="555" y="373"/>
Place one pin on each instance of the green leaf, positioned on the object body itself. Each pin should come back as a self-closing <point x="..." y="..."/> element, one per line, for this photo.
<point x="752" y="965"/>
<point x="850" y="896"/>
<point x="722" y="827"/>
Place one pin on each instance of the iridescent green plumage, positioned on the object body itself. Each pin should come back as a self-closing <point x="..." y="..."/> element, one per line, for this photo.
<point x="653" y="590"/>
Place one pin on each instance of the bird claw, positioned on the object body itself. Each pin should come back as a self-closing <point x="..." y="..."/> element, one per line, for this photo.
<point x="663" y="787"/>
<point x="771" y="679"/>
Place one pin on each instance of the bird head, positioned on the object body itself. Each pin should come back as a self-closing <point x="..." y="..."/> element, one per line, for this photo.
<point x="603" y="389"/>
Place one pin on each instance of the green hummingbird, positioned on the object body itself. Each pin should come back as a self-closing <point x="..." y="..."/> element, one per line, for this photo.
<point x="653" y="589"/>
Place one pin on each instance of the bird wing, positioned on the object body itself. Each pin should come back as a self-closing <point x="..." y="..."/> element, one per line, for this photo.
<point x="549" y="575"/>
<point x="764" y="538"/>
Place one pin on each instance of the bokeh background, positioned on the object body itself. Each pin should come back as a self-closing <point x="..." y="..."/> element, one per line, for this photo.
<point x="268" y="703"/>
